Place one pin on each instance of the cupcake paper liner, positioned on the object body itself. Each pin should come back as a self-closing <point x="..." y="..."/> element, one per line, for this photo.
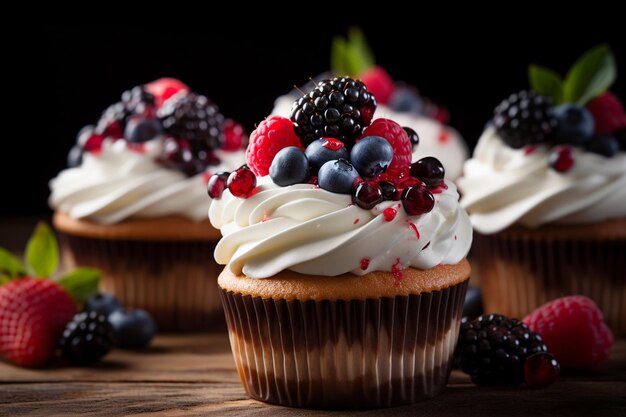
<point x="521" y="271"/>
<point x="176" y="281"/>
<point x="345" y="353"/>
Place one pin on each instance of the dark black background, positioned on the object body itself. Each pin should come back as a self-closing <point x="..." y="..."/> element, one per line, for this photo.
<point x="78" y="70"/>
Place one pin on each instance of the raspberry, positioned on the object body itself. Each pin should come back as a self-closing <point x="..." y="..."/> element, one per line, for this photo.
<point x="400" y="142"/>
<point x="379" y="83"/>
<point x="234" y="136"/>
<point x="164" y="88"/>
<point x="574" y="330"/>
<point x="608" y="114"/>
<point x="272" y="135"/>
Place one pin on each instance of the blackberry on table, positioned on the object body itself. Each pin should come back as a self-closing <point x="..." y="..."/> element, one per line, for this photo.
<point x="525" y="119"/>
<point x="337" y="108"/>
<point x="492" y="349"/>
<point x="87" y="338"/>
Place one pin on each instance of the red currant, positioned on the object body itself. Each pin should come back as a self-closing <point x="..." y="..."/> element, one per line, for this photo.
<point x="541" y="370"/>
<point x="367" y="194"/>
<point x="241" y="182"/>
<point x="561" y="159"/>
<point x="234" y="136"/>
<point x="217" y="184"/>
<point x="417" y="200"/>
<point x="429" y="170"/>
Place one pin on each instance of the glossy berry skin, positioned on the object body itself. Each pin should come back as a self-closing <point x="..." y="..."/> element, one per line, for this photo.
<point x="323" y="150"/>
<point x="367" y="194"/>
<point x="603" y="145"/>
<point x="234" y="136"/>
<point x="371" y="156"/>
<point x="217" y="184"/>
<point x="430" y="170"/>
<point x="541" y="370"/>
<point x="164" y="88"/>
<point x="75" y="157"/>
<point x="272" y="135"/>
<point x="608" y="113"/>
<point x="87" y="338"/>
<point x="33" y="314"/>
<point x="337" y="176"/>
<point x="134" y="329"/>
<point x="241" y="182"/>
<point x="561" y="159"/>
<point x="574" y="124"/>
<point x="413" y="137"/>
<point x="389" y="190"/>
<point x="103" y="303"/>
<point x="417" y="200"/>
<point x="140" y="129"/>
<point x="473" y="305"/>
<point x="290" y="166"/>
<point x="400" y="142"/>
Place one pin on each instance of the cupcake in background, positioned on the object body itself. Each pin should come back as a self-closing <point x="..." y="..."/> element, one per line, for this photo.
<point x="546" y="193"/>
<point x="133" y="201"/>
<point x="345" y="267"/>
<point x="396" y="100"/>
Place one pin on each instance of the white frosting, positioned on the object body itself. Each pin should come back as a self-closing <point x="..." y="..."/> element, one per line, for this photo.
<point x="119" y="183"/>
<point x="313" y="231"/>
<point x="502" y="186"/>
<point x="436" y="139"/>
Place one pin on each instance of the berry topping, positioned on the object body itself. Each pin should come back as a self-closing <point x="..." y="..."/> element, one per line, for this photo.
<point x="217" y="184"/>
<point x="541" y="370"/>
<point x="473" y="304"/>
<point x="323" y="150"/>
<point x="574" y="124"/>
<point x="573" y="328"/>
<point x="608" y="114"/>
<point x="138" y="101"/>
<point x="241" y="182"/>
<point x="337" y="176"/>
<point x="400" y="142"/>
<point x="367" y="194"/>
<point x="102" y="303"/>
<point x="561" y="159"/>
<point x="364" y="263"/>
<point x="413" y="137"/>
<point x="164" y="88"/>
<point x="75" y="157"/>
<point x="604" y="145"/>
<point x="290" y="166"/>
<point x="621" y="139"/>
<point x="389" y="214"/>
<point x="417" y="200"/>
<point x="429" y="170"/>
<point x="272" y="135"/>
<point x="234" y="136"/>
<point x="406" y="99"/>
<point x="525" y="118"/>
<point x="379" y="83"/>
<point x="389" y="190"/>
<point x="134" y="329"/>
<point x="111" y="123"/>
<point x="371" y="156"/>
<point x="141" y="129"/>
<point x="492" y="349"/>
<point x="339" y="108"/>
<point x="87" y="338"/>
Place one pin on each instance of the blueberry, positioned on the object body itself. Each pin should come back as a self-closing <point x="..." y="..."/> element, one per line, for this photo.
<point x="84" y="134"/>
<point x="574" y="124"/>
<point x="133" y="328"/>
<point x="603" y="145"/>
<point x="323" y="150"/>
<point x="289" y="166"/>
<point x="140" y="129"/>
<point x="75" y="157"/>
<point x="103" y="303"/>
<point x="473" y="306"/>
<point x="371" y="156"/>
<point x="337" y="176"/>
<point x="621" y="138"/>
<point x="406" y="99"/>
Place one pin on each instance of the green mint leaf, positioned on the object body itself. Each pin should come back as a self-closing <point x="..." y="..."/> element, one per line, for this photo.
<point x="10" y="266"/>
<point x="338" y="56"/>
<point x="547" y="82"/>
<point x="42" y="252"/>
<point x="81" y="283"/>
<point x="361" y="49"/>
<point x="590" y="76"/>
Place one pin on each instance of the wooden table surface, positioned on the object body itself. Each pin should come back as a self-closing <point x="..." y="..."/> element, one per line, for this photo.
<point x="195" y="375"/>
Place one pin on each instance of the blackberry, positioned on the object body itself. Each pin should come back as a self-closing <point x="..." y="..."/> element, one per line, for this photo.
<point x="524" y="119"/>
<point x="114" y="118"/>
<point x="195" y="118"/>
<point x="339" y="108"/>
<point x="138" y="101"/>
<point x="492" y="349"/>
<point x="87" y="338"/>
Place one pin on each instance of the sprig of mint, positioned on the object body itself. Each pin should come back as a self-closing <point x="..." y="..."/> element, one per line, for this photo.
<point x="351" y="56"/>
<point x="591" y="75"/>
<point x="42" y="260"/>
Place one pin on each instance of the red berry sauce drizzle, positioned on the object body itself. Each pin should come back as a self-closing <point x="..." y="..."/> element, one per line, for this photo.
<point x="413" y="227"/>
<point x="355" y="221"/>
<point x="333" y="144"/>
<point x="364" y="263"/>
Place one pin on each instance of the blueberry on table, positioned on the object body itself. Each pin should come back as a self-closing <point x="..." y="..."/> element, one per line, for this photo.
<point x="103" y="303"/>
<point x="134" y="329"/>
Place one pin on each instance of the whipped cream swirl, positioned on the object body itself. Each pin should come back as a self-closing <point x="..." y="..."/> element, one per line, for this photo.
<point x="120" y="183"/>
<point x="309" y="230"/>
<point x="503" y="186"/>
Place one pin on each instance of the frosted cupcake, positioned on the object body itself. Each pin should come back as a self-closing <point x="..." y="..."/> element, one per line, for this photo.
<point x="396" y="100"/>
<point x="341" y="289"/>
<point x="133" y="201"/>
<point x="546" y="193"/>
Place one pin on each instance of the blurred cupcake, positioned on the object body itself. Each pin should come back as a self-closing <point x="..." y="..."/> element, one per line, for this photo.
<point x="133" y="201"/>
<point x="546" y="193"/>
<point x="396" y="100"/>
<point x="340" y="289"/>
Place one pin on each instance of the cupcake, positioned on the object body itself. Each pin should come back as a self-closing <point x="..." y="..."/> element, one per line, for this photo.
<point x="341" y="289"/>
<point x="396" y="100"/>
<point x="546" y="193"/>
<point x="133" y="201"/>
